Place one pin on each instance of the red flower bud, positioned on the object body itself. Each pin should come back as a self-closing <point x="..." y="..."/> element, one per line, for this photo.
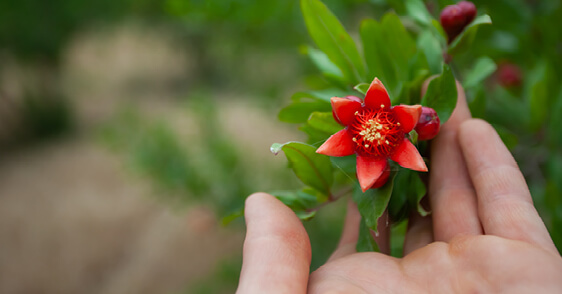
<point x="509" y="75"/>
<point x="469" y="10"/>
<point x="428" y="124"/>
<point x="454" y="18"/>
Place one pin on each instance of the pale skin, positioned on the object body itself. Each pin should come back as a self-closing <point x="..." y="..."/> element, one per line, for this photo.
<point x="483" y="236"/>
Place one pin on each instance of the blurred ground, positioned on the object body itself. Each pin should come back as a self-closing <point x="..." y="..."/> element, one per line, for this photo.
<point x="73" y="219"/>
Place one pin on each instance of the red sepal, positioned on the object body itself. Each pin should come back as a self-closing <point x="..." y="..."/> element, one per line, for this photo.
<point x="369" y="170"/>
<point x="344" y="110"/>
<point x="406" y="155"/>
<point x="339" y="144"/>
<point x="377" y="95"/>
<point x="408" y="116"/>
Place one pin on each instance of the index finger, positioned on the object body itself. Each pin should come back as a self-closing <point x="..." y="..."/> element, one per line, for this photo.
<point x="504" y="202"/>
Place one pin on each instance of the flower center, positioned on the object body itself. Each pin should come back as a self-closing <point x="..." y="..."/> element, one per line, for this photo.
<point x="376" y="132"/>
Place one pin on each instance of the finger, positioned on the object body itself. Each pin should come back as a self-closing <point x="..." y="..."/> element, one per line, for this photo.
<point x="504" y="202"/>
<point x="350" y="232"/>
<point x="276" y="250"/>
<point x="419" y="233"/>
<point x="452" y="196"/>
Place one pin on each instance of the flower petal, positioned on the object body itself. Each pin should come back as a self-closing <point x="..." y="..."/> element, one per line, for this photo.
<point x="406" y="155"/>
<point x="377" y="95"/>
<point x="344" y="110"/>
<point x="339" y="144"/>
<point x="369" y="169"/>
<point x="407" y="115"/>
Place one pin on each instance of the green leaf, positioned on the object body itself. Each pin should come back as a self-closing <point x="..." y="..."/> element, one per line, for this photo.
<point x="555" y="135"/>
<point x="408" y="191"/>
<point x="302" y="202"/>
<point x="438" y="29"/>
<point x="299" y="112"/>
<point x="315" y="136"/>
<point x="306" y="215"/>
<point x="537" y="94"/>
<point x="324" y="121"/>
<point x="377" y="57"/>
<point x="398" y="206"/>
<point x="331" y="37"/>
<point x="346" y="164"/>
<point x="416" y="9"/>
<point x="388" y="48"/>
<point x="463" y="41"/>
<point x="373" y="202"/>
<point x="318" y="95"/>
<point x="483" y="68"/>
<point x="441" y="94"/>
<point x="362" y="88"/>
<point x="324" y="64"/>
<point x="419" y="191"/>
<point x="430" y="46"/>
<point x="398" y="42"/>
<point x="232" y="216"/>
<point x="313" y="169"/>
<point x="366" y="242"/>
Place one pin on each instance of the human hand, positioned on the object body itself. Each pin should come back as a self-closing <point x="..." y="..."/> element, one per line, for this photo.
<point x="484" y="235"/>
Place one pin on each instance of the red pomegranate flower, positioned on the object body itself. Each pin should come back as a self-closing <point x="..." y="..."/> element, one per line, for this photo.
<point x="374" y="131"/>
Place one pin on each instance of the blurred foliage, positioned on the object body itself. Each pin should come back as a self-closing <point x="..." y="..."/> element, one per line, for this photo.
<point x="37" y="30"/>
<point x="206" y="167"/>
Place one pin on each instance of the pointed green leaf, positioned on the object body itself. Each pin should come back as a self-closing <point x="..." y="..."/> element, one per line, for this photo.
<point x="430" y="46"/>
<point x="483" y="68"/>
<point x="324" y="64"/>
<point x="299" y="112"/>
<point x="313" y="169"/>
<point x="366" y="242"/>
<point x="302" y="202"/>
<point x="398" y="42"/>
<point x="377" y="57"/>
<point x="362" y="88"/>
<point x="373" y="202"/>
<point x="416" y="9"/>
<point x="463" y="41"/>
<point x="324" y="121"/>
<point x="537" y="94"/>
<point x="441" y="94"/>
<point x="331" y="37"/>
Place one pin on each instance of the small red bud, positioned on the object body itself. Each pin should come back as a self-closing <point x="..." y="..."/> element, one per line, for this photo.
<point x="509" y="75"/>
<point x="469" y="10"/>
<point x="428" y="124"/>
<point x="454" y="18"/>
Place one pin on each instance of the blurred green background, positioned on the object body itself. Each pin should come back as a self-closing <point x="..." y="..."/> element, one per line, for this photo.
<point x="130" y="129"/>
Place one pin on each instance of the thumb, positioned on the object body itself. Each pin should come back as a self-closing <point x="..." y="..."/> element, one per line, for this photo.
<point x="276" y="250"/>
